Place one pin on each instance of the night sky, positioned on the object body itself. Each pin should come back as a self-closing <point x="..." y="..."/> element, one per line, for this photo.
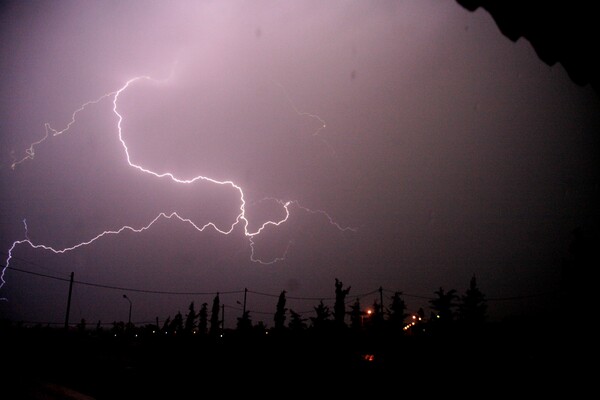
<point x="413" y="144"/>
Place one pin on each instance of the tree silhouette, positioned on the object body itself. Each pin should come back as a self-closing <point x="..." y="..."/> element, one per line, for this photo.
<point x="339" y="307"/>
<point x="356" y="315"/>
<point x="203" y="319"/>
<point x="99" y="326"/>
<point x="176" y="325"/>
<point x="214" y="316"/>
<point x="376" y="319"/>
<point x="444" y="304"/>
<point x="165" y="327"/>
<point x="473" y="307"/>
<point x="244" y="323"/>
<point x="81" y="326"/>
<point x="259" y="329"/>
<point x="190" y="320"/>
<point x="297" y="323"/>
<point x="118" y="328"/>
<point x="323" y="314"/>
<point x="443" y="307"/>
<point x="397" y="313"/>
<point x="280" y="312"/>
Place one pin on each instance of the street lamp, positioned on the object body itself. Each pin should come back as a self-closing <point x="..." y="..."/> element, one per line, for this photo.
<point x="366" y="313"/>
<point x="125" y="297"/>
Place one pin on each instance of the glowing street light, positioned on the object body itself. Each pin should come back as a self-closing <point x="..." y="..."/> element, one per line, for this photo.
<point x="125" y="297"/>
<point x="366" y="313"/>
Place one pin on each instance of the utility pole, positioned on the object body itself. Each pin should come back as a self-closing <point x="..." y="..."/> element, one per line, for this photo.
<point x="381" y="301"/>
<point x="69" y="302"/>
<point x="222" y="317"/>
<point x="129" y="300"/>
<point x="245" y="292"/>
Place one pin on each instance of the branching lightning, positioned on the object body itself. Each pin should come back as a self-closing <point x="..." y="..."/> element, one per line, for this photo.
<point x="303" y="113"/>
<point x="240" y="219"/>
<point x="320" y="120"/>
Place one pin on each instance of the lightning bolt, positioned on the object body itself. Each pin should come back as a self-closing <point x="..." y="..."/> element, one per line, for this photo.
<point x="240" y="219"/>
<point x="321" y="121"/>
<point x="303" y="113"/>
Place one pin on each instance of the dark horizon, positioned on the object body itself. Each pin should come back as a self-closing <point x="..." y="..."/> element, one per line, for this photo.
<point x="233" y="308"/>
<point x="91" y="363"/>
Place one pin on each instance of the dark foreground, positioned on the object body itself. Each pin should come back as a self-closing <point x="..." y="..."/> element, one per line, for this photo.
<point x="43" y="363"/>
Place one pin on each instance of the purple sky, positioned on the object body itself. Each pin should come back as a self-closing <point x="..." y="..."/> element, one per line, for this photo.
<point x="449" y="150"/>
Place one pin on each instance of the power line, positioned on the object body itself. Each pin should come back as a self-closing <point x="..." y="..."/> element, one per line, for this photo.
<point x="354" y="298"/>
<point x="124" y="288"/>
<point x="149" y="291"/>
